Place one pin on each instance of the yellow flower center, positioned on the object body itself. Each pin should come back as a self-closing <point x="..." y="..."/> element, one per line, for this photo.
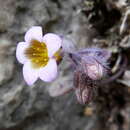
<point x="38" y="54"/>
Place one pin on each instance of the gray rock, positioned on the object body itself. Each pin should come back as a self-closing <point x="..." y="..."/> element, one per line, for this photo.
<point x="7" y="12"/>
<point x="6" y="60"/>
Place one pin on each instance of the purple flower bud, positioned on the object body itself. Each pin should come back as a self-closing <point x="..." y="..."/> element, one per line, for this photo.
<point x="84" y="87"/>
<point x="91" y="66"/>
<point x="83" y="96"/>
<point x="93" y="62"/>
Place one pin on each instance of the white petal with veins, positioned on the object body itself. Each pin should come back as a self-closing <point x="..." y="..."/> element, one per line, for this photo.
<point x="34" y="33"/>
<point x="49" y="72"/>
<point x="53" y="43"/>
<point x="30" y="74"/>
<point x="20" y="52"/>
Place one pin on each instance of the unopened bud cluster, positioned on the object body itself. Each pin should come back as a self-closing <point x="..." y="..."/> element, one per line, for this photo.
<point x="90" y="66"/>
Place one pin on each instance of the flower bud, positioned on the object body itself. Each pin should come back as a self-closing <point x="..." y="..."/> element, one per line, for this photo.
<point x="92" y="68"/>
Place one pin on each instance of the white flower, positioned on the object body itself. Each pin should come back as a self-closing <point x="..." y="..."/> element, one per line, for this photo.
<point x="39" y="54"/>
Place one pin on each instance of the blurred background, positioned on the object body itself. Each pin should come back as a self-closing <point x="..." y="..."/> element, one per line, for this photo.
<point x="89" y="23"/>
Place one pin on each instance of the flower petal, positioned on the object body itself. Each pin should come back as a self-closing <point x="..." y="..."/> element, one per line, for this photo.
<point x="30" y="74"/>
<point x="53" y="43"/>
<point x="49" y="72"/>
<point x="20" y="52"/>
<point x="34" y="33"/>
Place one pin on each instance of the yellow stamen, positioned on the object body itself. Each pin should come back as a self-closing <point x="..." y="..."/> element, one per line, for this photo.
<point x="37" y="53"/>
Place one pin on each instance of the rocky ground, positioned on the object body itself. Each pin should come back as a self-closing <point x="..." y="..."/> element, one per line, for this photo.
<point x="102" y="23"/>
